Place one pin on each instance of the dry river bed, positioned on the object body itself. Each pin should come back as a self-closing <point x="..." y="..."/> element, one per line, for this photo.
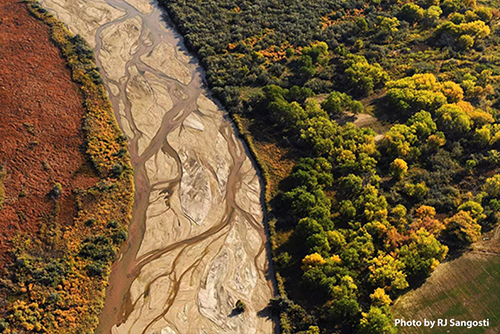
<point x="197" y="243"/>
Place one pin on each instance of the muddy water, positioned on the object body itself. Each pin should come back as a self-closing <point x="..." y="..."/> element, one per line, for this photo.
<point x="196" y="243"/>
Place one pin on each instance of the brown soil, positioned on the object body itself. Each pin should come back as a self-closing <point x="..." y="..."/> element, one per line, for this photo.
<point x="41" y="137"/>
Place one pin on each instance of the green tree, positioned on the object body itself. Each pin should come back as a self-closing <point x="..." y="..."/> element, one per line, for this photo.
<point x="318" y="133"/>
<point x="474" y="209"/>
<point x="399" y="140"/>
<point x="422" y="124"/>
<point x="337" y="103"/>
<point x="380" y="298"/>
<point x="343" y="310"/>
<point x="300" y="201"/>
<point x="422" y="254"/>
<point x="285" y="113"/>
<point x="399" y="167"/>
<point x="432" y="14"/>
<point x="387" y="272"/>
<point x="412" y="12"/>
<point x="299" y="94"/>
<point x="319" y="168"/>
<point x="477" y="29"/>
<point x="456" y="18"/>
<point x="361" y="23"/>
<point x="336" y="240"/>
<point x="318" y="243"/>
<point x="358" y="249"/>
<point x="241" y="306"/>
<point x="482" y="136"/>
<point x="377" y="320"/>
<point x="316" y="51"/>
<point x="274" y="92"/>
<point x="464" y="227"/>
<point x="350" y="186"/>
<point x="484" y="13"/>
<point x="492" y="186"/>
<point x="388" y="25"/>
<point x="421" y="92"/>
<point x="466" y="41"/>
<point x="308" y="226"/>
<point x="453" y="120"/>
<point x="363" y="76"/>
<point x="312" y="260"/>
<point x="307" y="68"/>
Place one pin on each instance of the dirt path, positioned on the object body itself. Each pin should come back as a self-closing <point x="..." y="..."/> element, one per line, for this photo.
<point x="197" y="243"/>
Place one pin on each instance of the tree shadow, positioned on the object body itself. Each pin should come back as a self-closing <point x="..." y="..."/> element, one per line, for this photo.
<point x="235" y="312"/>
<point x="266" y="313"/>
<point x="385" y="113"/>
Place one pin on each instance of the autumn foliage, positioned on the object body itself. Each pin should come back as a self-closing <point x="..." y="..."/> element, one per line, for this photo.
<point x="57" y="280"/>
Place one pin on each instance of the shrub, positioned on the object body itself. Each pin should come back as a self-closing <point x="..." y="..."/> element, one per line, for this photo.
<point x="337" y="103"/>
<point x="119" y="237"/>
<point x="412" y="12"/>
<point x="241" y="306"/>
<point x="466" y="42"/>
<point x="56" y="192"/>
<point x="90" y="222"/>
<point x="113" y="224"/>
<point x="399" y="168"/>
<point x="362" y="76"/>
<point x="95" y="269"/>
<point x="117" y="169"/>
<point x="3" y="325"/>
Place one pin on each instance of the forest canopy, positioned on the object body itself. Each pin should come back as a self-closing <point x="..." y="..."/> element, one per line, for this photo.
<point x="365" y="213"/>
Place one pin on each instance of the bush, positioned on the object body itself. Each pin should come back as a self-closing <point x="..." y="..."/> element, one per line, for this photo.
<point x="113" y="224"/>
<point x="466" y="42"/>
<point x="90" y="222"/>
<point x="337" y="103"/>
<point x="412" y="12"/>
<point x="117" y="169"/>
<point x="98" y="248"/>
<point x="362" y="76"/>
<point x="241" y="306"/>
<point x="56" y="192"/>
<point x="3" y="326"/>
<point x="119" y="237"/>
<point x="95" y="269"/>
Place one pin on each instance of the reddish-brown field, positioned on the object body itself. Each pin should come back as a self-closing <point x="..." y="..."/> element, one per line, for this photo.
<point x="40" y="127"/>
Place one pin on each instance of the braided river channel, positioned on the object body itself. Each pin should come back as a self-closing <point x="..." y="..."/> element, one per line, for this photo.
<point x="197" y="242"/>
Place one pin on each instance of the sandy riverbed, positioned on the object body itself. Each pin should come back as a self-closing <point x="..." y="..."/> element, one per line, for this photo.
<point x="197" y="242"/>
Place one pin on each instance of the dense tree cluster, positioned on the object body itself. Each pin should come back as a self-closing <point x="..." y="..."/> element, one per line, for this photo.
<point x="355" y="242"/>
<point x="361" y="217"/>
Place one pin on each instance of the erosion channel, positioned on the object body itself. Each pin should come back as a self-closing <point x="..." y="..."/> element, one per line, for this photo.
<point x="197" y="243"/>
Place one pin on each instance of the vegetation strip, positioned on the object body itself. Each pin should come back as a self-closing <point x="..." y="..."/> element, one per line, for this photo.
<point x="57" y="281"/>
